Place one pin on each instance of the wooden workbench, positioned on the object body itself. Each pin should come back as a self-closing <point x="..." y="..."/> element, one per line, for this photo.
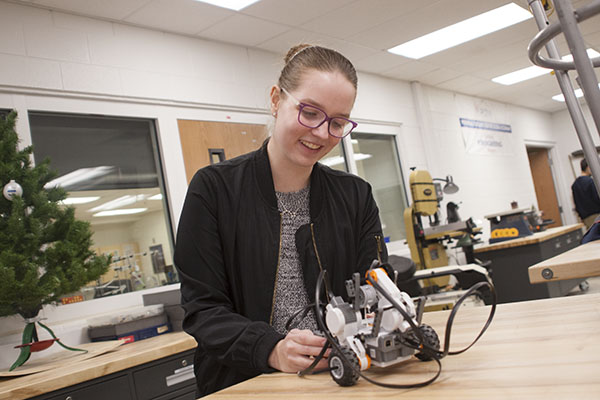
<point x="126" y="356"/>
<point x="542" y="349"/>
<point x="511" y="259"/>
<point x="581" y="262"/>
<point x="537" y="237"/>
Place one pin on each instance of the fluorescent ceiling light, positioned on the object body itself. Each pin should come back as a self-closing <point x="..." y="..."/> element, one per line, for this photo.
<point x="235" y="5"/>
<point x="79" y="175"/>
<point x="120" y="202"/>
<point x="79" y="200"/>
<point x="533" y="71"/>
<point x="125" y="211"/>
<point x="578" y="93"/>
<point x="463" y="31"/>
<point x="521" y="75"/>
<point x="158" y="196"/>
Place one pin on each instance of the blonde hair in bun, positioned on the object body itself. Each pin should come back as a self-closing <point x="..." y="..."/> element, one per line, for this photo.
<point x="303" y="57"/>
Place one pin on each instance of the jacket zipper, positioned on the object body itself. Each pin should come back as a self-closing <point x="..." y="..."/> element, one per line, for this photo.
<point x="277" y="269"/>
<point x="379" y="248"/>
<point x="312" y="234"/>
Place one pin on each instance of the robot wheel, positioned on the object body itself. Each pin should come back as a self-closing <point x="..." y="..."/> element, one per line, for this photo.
<point x="341" y="371"/>
<point x="431" y="339"/>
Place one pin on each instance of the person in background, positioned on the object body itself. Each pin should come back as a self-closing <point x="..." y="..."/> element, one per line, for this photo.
<point x="585" y="196"/>
<point x="255" y="231"/>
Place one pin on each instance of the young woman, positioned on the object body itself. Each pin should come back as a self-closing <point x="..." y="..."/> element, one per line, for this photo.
<point x="256" y="230"/>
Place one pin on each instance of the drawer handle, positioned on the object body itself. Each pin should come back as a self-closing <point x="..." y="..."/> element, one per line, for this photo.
<point x="180" y="375"/>
<point x="68" y="398"/>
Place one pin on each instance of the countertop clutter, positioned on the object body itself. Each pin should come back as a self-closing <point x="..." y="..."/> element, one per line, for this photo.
<point x="124" y="357"/>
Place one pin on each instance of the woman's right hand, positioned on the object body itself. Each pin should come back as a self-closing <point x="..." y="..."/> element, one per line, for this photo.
<point x="297" y="350"/>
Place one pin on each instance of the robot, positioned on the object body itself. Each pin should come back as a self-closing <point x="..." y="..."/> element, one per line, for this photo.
<point x="377" y="328"/>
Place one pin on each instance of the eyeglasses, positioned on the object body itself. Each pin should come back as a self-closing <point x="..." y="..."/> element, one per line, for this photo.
<point x="313" y="117"/>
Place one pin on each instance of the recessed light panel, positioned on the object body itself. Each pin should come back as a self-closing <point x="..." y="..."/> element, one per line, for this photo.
<point x="235" y="5"/>
<point x="561" y="97"/>
<point x="534" y="71"/>
<point x="463" y="31"/>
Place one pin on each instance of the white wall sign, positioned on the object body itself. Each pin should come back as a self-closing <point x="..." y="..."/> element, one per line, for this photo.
<point x="482" y="137"/>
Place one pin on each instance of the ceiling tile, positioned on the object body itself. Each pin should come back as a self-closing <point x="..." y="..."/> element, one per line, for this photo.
<point x="360" y="16"/>
<point x="292" y="12"/>
<point x="244" y="30"/>
<point x="437" y="76"/>
<point x="460" y="84"/>
<point x="282" y="43"/>
<point x="112" y="9"/>
<point x="379" y="62"/>
<point x="187" y="17"/>
<point x="410" y="70"/>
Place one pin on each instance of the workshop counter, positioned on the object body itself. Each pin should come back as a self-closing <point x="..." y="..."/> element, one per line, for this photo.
<point x="511" y="259"/>
<point x="123" y="358"/>
<point x="536" y="350"/>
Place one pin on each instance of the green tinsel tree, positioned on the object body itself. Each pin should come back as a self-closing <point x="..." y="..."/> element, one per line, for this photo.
<point x="45" y="252"/>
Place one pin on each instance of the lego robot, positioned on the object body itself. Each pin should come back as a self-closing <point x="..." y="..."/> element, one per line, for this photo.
<point x="371" y="330"/>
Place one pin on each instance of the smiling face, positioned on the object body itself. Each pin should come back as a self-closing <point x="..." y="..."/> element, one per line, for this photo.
<point x="294" y="147"/>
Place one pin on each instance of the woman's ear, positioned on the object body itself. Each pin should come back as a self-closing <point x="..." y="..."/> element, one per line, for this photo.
<point x="275" y="97"/>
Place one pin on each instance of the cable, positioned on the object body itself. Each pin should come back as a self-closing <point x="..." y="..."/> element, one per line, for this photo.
<point x="420" y="345"/>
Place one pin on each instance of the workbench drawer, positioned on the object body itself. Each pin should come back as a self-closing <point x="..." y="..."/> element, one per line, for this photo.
<point x="113" y="389"/>
<point x="165" y="377"/>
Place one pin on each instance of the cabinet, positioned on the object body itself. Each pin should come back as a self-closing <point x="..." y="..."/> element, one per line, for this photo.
<point x="510" y="262"/>
<point x="169" y="378"/>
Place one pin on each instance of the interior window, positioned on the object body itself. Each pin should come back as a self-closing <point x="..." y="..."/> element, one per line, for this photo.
<point x="377" y="162"/>
<point x="111" y="168"/>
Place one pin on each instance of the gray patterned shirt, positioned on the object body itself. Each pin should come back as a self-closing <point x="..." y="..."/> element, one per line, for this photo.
<point x="290" y="292"/>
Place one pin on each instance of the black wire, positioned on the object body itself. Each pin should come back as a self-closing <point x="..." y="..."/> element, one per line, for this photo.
<point x="421" y="345"/>
<point x="304" y="311"/>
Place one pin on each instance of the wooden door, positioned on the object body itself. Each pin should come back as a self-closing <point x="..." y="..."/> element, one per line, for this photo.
<point x="545" y="190"/>
<point x="202" y="141"/>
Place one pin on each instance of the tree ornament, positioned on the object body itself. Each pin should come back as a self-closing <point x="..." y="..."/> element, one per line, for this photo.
<point x="12" y="189"/>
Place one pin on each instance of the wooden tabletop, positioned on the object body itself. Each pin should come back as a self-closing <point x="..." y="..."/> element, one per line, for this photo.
<point x="126" y="356"/>
<point x="542" y="349"/>
<point x="581" y="262"/>
<point x="531" y="239"/>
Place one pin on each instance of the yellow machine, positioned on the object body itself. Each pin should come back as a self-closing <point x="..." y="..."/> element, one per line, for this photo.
<point x="427" y="247"/>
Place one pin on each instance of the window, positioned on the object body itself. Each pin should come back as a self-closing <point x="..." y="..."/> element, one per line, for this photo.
<point x="111" y="168"/>
<point x="377" y="161"/>
<point x="335" y="159"/>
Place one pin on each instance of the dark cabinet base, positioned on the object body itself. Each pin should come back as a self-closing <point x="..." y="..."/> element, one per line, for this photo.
<point x="509" y="268"/>
<point x="169" y="378"/>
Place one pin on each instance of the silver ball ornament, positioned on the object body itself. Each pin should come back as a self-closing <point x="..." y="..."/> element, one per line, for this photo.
<point x="12" y="189"/>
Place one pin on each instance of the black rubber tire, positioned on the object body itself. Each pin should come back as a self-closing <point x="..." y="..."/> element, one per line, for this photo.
<point x="341" y="372"/>
<point x="431" y="339"/>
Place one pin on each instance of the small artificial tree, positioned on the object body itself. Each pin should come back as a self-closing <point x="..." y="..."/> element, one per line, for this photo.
<point x="45" y="252"/>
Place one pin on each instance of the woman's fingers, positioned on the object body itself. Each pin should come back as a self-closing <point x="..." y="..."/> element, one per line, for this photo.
<point x="297" y="351"/>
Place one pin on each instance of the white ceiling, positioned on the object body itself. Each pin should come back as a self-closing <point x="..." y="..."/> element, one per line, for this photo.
<point x="362" y="30"/>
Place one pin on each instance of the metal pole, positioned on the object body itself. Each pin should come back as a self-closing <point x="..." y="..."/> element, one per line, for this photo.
<point x="581" y="128"/>
<point x="589" y="83"/>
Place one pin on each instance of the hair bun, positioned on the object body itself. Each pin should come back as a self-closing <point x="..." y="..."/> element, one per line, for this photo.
<point x="295" y="50"/>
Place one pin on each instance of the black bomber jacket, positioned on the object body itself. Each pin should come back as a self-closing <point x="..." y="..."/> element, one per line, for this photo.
<point x="227" y="254"/>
